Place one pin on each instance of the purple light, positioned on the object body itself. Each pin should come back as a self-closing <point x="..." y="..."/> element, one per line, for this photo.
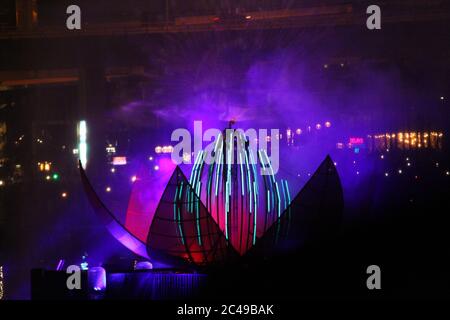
<point x="97" y="278"/>
<point x="60" y="265"/>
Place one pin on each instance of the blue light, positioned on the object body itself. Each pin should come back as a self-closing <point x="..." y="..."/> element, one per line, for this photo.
<point x="356" y="150"/>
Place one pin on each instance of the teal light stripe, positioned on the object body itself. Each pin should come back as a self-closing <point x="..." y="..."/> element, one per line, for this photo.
<point x="279" y="200"/>
<point x="191" y="182"/>
<point x="288" y="193"/>
<point x="270" y="166"/>
<point x="249" y="186"/>
<point x="242" y="175"/>
<point x="175" y="204"/>
<point x="209" y="184"/>
<point x="179" y="226"/>
<point x="197" y="209"/>
<point x="181" y="190"/>
<point x="273" y="180"/>
<point x="177" y="213"/>
<point x="255" y="215"/>
<point x="254" y="173"/>
<point x="218" y="173"/>
<point x="194" y="167"/>
<point x="284" y="194"/>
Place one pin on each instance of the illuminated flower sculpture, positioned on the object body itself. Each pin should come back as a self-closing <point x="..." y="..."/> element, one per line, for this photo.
<point x="227" y="211"/>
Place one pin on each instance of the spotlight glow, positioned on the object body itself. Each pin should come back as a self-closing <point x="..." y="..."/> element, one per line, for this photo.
<point x="82" y="142"/>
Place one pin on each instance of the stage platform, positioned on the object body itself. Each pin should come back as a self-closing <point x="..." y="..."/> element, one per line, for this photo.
<point x="142" y="284"/>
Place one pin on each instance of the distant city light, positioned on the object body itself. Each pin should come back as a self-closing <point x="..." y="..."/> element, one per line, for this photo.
<point x="150" y="158"/>
<point x="108" y="189"/>
<point x="2" y="183"/>
<point x="55" y="176"/>
<point x="119" y="161"/>
<point x="167" y="149"/>
<point x="2" y="291"/>
<point x="186" y="157"/>
<point x="47" y="178"/>
<point x="386" y="174"/>
<point x="356" y="140"/>
<point x="357" y="172"/>
<point x="64" y="195"/>
<point x="318" y="126"/>
<point x="82" y="142"/>
<point x="298" y="131"/>
<point x="156" y="168"/>
<point x="133" y="178"/>
<point x="110" y="149"/>
<point x="382" y="156"/>
<point x="113" y="170"/>
<point x="408" y="164"/>
<point x="442" y="98"/>
<point x="158" y="149"/>
<point x="328" y="124"/>
<point x="448" y="173"/>
<point x="44" y="166"/>
<point x="400" y="171"/>
<point x="248" y="17"/>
